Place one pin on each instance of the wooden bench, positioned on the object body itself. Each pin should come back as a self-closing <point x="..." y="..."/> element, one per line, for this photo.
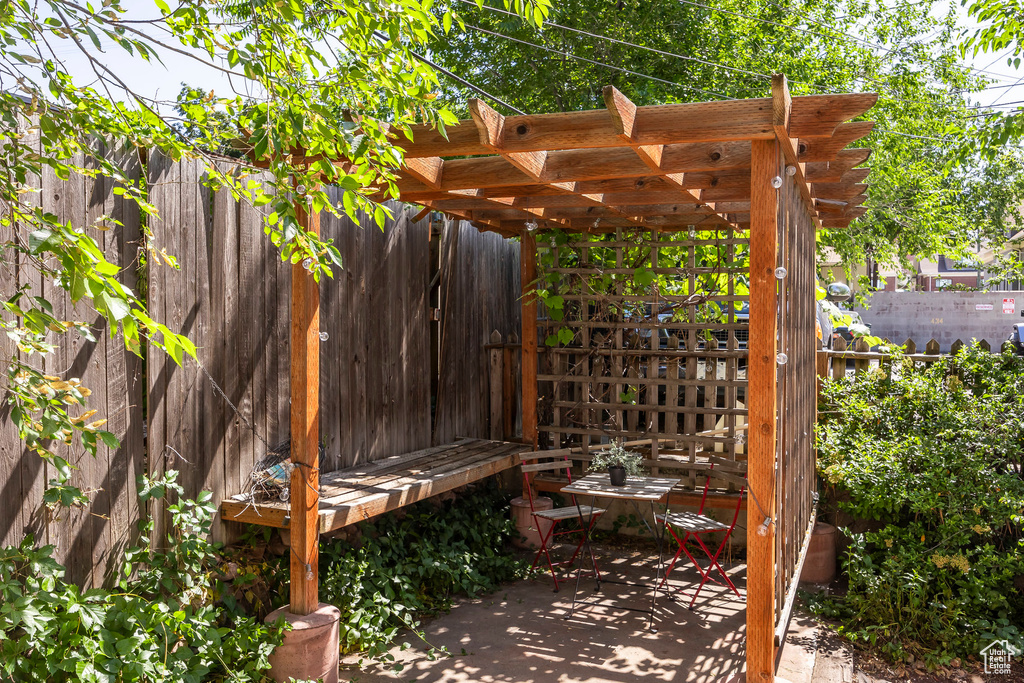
<point x="365" y="491"/>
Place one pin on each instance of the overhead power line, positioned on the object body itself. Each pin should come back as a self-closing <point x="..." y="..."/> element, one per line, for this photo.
<point x="601" y="64"/>
<point x="749" y="72"/>
<point x="660" y="80"/>
<point x="808" y="31"/>
<point x="688" y="58"/>
<point x="458" y="79"/>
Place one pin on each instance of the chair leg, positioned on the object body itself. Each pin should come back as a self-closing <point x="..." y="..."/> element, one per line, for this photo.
<point x="675" y="558"/>
<point x="700" y="570"/>
<point x="544" y="550"/>
<point x="714" y="562"/>
<point x="579" y="546"/>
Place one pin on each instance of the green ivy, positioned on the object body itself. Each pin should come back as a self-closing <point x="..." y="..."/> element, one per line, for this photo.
<point x="165" y="621"/>
<point x="931" y="458"/>
<point x="412" y="563"/>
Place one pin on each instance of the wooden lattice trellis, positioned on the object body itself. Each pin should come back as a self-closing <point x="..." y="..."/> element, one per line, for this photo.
<point x="654" y="341"/>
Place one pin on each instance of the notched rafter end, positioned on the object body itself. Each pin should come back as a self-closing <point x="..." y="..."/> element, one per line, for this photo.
<point x="490" y="124"/>
<point x="622" y="110"/>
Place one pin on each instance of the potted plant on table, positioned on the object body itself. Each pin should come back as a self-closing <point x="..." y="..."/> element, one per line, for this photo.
<point x="618" y="462"/>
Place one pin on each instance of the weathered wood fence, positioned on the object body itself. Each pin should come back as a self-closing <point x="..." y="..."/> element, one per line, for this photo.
<point x="213" y="419"/>
<point x="844" y="359"/>
<point x="89" y="540"/>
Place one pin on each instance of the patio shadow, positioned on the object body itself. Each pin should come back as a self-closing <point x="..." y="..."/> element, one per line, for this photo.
<point x="521" y="634"/>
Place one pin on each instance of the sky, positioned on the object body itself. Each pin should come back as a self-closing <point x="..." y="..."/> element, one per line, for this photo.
<point x="994" y="66"/>
<point x="163" y="81"/>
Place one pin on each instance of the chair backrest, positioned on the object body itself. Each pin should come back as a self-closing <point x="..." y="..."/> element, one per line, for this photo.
<point x="730" y="471"/>
<point x="553" y="461"/>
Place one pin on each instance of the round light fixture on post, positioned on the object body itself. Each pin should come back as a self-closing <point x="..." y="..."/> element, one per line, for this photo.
<point x="838" y="291"/>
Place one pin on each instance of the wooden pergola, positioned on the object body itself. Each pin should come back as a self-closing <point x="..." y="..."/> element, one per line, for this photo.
<point x="714" y="165"/>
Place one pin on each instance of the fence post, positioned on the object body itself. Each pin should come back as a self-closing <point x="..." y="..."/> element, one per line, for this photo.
<point x="497" y="375"/>
<point x="839" y="362"/>
<point x="821" y="369"/>
<point x="509" y="386"/>
<point x="862" y="364"/>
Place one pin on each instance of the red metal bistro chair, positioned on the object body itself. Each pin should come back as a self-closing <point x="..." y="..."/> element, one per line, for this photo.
<point x="696" y="524"/>
<point x="553" y="517"/>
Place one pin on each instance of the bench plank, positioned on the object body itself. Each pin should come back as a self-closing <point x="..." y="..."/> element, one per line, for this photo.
<point x="359" y="493"/>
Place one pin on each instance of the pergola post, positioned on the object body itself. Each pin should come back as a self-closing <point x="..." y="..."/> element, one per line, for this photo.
<point x="305" y="429"/>
<point x="527" y="275"/>
<point x="765" y="166"/>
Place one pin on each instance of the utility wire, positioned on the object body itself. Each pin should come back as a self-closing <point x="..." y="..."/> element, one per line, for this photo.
<point x="633" y="45"/>
<point x="660" y="80"/>
<point x="719" y="65"/>
<point x="601" y="64"/>
<point x="458" y="79"/>
<point x="911" y="135"/>
<point x="804" y="30"/>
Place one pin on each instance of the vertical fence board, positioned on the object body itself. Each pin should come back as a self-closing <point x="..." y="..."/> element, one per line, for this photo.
<point x="89" y="540"/>
<point x="480" y="293"/>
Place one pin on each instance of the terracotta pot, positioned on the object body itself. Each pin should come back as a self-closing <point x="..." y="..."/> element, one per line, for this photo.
<point x="310" y="650"/>
<point x="528" y="535"/>
<point x="617" y="473"/>
<point x="820" y="565"/>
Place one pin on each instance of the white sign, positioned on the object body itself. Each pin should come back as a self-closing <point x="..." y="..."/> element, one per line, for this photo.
<point x="1009" y="306"/>
<point x="983" y="307"/>
<point x="999" y="655"/>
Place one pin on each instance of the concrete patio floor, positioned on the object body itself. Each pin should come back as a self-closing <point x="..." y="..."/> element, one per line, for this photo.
<point x="521" y="634"/>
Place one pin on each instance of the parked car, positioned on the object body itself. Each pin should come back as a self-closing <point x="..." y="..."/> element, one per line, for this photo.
<point x="1017" y="339"/>
<point x="853" y="329"/>
<point x="741" y="315"/>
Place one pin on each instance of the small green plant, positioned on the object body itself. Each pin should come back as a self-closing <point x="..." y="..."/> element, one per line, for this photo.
<point x="165" y="621"/>
<point x="632" y="461"/>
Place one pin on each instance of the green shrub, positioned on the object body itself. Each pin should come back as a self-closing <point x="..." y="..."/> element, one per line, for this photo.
<point x="412" y="563"/>
<point x="162" y="623"/>
<point x="931" y="459"/>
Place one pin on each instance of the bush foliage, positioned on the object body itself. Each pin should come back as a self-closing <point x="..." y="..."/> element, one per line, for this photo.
<point x="412" y="563"/>
<point x="163" y="622"/>
<point x="930" y="458"/>
<point x="174" y="616"/>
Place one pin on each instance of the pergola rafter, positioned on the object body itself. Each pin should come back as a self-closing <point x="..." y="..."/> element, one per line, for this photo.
<point x="664" y="168"/>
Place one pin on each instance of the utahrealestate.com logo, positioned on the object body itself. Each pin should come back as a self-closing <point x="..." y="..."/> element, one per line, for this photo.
<point x="998" y="656"/>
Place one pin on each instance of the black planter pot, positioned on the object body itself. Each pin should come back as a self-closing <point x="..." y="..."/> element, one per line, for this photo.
<point x="617" y="473"/>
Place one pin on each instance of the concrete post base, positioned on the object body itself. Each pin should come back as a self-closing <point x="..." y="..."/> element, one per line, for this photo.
<point x="310" y="650"/>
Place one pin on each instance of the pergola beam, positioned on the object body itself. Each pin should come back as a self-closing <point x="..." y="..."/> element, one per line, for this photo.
<point x="814" y="116"/>
<point x="624" y="117"/>
<point x="415" y="191"/>
<point x="492" y="127"/>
